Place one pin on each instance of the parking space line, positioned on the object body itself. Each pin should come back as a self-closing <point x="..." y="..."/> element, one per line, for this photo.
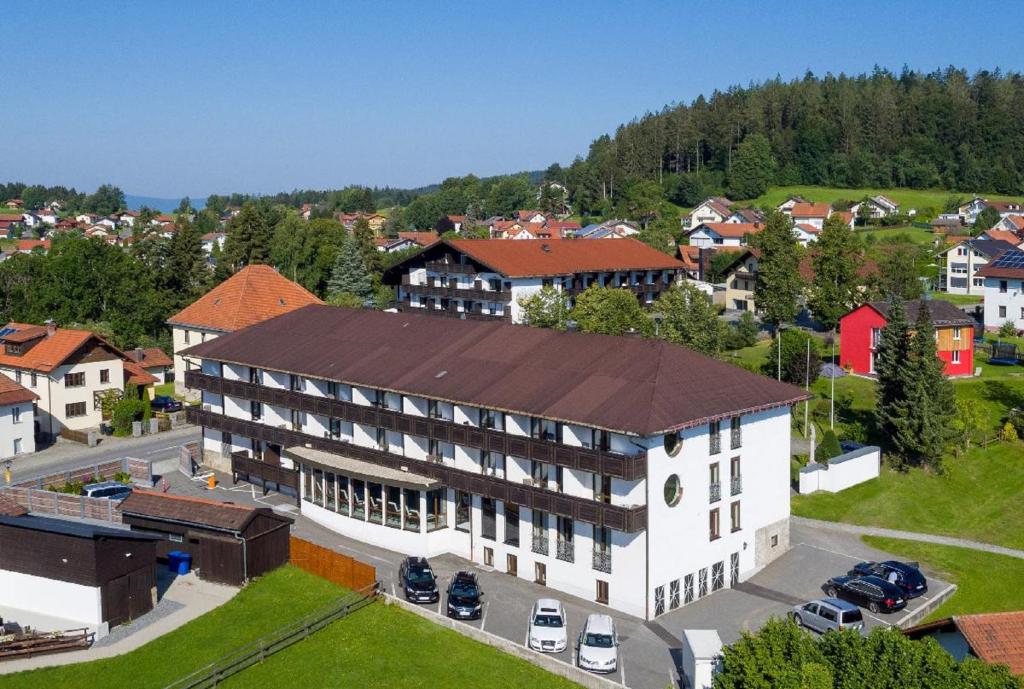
<point x="438" y="602"/>
<point x="834" y="552"/>
<point x="393" y="590"/>
<point x="483" y="618"/>
<point x="622" y="670"/>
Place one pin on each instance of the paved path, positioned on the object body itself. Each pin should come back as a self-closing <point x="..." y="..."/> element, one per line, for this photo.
<point x="909" y="536"/>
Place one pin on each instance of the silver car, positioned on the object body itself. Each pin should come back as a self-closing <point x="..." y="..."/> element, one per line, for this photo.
<point x="828" y="614"/>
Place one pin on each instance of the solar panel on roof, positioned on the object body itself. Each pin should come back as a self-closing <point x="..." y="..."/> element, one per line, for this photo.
<point x="7" y="331"/>
<point x="1011" y="259"/>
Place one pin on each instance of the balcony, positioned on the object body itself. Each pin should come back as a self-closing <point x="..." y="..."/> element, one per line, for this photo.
<point x="476" y="293"/>
<point x="540" y="544"/>
<point x="626" y="519"/>
<point x="565" y="551"/>
<point x="735" y="438"/>
<point x="407" y="307"/>
<point x="602" y="561"/>
<point x="447" y="267"/>
<point x="627" y="467"/>
<point x="716" y="444"/>
<point x="736" y="485"/>
<point x="715" y="491"/>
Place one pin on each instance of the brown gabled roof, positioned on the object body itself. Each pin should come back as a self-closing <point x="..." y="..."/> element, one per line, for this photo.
<point x="253" y="294"/>
<point x="996" y="638"/>
<point x="811" y="210"/>
<point x="11" y="217"/>
<point x="1009" y="264"/>
<point x="136" y="375"/>
<point x="29" y="244"/>
<point x="198" y="511"/>
<point x="623" y="384"/>
<point x="942" y="312"/>
<point x="151" y="357"/>
<point x="12" y="392"/>
<point x="1003" y="235"/>
<point x="547" y="257"/>
<point x="424" y="238"/>
<point x="50" y="352"/>
<point x="731" y="230"/>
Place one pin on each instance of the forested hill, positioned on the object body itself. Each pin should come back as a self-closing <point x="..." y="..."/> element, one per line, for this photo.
<point x="945" y="129"/>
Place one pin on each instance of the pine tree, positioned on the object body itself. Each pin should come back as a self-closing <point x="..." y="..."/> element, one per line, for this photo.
<point x="363" y="235"/>
<point x="778" y="270"/>
<point x="923" y="419"/>
<point x="250" y="234"/>
<point x="349" y="274"/>
<point x="836" y="256"/>
<point x="891" y="361"/>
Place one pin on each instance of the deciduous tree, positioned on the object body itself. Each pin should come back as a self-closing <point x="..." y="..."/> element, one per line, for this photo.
<point x="689" y="319"/>
<point x="779" y="284"/>
<point x="836" y="256"/>
<point x="546" y="308"/>
<point x="610" y="311"/>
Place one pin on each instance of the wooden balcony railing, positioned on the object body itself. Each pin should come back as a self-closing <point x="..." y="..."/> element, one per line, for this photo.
<point x="627" y="467"/>
<point x="627" y="519"/>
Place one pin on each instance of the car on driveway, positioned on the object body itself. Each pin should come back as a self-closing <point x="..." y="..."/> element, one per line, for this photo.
<point x="597" y="647"/>
<point x="464" y="596"/>
<point x="114" y="490"/>
<point x="547" y="630"/>
<point x="871" y="592"/>
<point x="905" y="575"/>
<point x="828" y="614"/>
<point x="165" y="403"/>
<point x="418" y="581"/>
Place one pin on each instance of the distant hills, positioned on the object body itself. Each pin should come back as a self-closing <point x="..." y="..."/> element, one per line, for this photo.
<point x="163" y="205"/>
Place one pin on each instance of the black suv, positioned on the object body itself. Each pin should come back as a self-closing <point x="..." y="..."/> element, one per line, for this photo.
<point x="418" y="580"/>
<point x="464" y="596"/>
<point x="904" y="574"/>
<point x="874" y="593"/>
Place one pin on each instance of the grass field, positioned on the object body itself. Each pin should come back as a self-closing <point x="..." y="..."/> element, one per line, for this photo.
<point x="986" y="582"/>
<point x="978" y="498"/>
<point x="907" y="198"/>
<point x="958" y="299"/>
<point x="377" y="646"/>
<point x="908" y="235"/>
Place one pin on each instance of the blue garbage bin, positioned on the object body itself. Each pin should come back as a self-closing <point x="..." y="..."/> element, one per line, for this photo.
<point x="173" y="560"/>
<point x="184" y="563"/>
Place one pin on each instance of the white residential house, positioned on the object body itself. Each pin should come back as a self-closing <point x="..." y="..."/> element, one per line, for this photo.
<point x="128" y="218"/>
<point x="30" y="219"/>
<point x="69" y="370"/>
<point x="488" y="278"/>
<point x="969" y="211"/>
<point x="786" y="206"/>
<point x="876" y="207"/>
<point x="48" y="216"/>
<point x="1004" y="290"/>
<point x="711" y="210"/>
<point x="487" y="454"/>
<point x="960" y="263"/>
<point x="722" y="234"/>
<point x="805" y="233"/>
<point x="253" y="294"/>
<point x="17" y="418"/>
<point x="814" y="214"/>
<point x="1010" y="223"/>
<point x="86" y="218"/>
<point x="214" y="239"/>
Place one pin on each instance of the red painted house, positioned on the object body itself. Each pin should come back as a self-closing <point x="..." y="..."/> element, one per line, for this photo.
<point x="860" y="330"/>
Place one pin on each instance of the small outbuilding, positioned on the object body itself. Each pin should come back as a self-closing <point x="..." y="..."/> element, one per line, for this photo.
<point x="75" y="571"/>
<point x="228" y="543"/>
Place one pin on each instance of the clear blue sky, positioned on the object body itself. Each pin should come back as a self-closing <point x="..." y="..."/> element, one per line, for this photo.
<point x="168" y="99"/>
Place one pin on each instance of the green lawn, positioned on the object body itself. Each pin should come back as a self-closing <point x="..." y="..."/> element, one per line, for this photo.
<point x="907" y="198"/>
<point x="978" y="498"/>
<point x="986" y="582"/>
<point x="958" y="299"/>
<point x="166" y="389"/>
<point x="385" y="646"/>
<point x="377" y="646"/>
<point x="907" y="235"/>
<point x="257" y="610"/>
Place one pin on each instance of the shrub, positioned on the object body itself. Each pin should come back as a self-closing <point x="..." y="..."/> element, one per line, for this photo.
<point x="744" y="332"/>
<point x="1007" y="329"/>
<point x="125" y="412"/>
<point x="1009" y="433"/>
<point x="798" y="364"/>
<point x="829" y="447"/>
<point x="123" y="477"/>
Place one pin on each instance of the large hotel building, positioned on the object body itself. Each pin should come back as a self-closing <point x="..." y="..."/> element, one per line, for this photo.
<point x="629" y="471"/>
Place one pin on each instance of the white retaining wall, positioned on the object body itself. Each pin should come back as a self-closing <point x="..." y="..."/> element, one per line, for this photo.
<point x="51" y="597"/>
<point x="842" y="472"/>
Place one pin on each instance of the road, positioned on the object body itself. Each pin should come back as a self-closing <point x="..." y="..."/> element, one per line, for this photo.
<point x="66" y="455"/>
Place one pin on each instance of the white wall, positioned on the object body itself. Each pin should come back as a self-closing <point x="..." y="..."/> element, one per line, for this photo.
<point x="23" y="430"/>
<point x="841" y="472"/>
<point x="195" y="336"/>
<point x="1012" y="299"/>
<point x="51" y="597"/>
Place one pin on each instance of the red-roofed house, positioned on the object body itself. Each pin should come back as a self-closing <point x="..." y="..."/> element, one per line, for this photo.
<point x="27" y="246"/>
<point x="153" y="361"/>
<point x="68" y="369"/>
<point x="486" y="278"/>
<point x="17" y="418"/>
<point x="1010" y="223"/>
<point x="253" y="294"/>
<point x="996" y="637"/>
<point x="712" y="210"/>
<point x="810" y="214"/>
<point x="715" y="234"/>
<point x="806" y="233"/>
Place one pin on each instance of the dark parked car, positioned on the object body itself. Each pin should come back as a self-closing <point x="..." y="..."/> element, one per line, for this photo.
<point x="464" y="596"/>
<point x="418" y="581"/>
<point x="871" y="592"/>
<point x="905" y="575"/>
<point x="165" y="403"/>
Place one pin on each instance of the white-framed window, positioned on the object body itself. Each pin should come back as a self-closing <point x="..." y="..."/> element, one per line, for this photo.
<point x="15" y="414"/>
<point x="956" y="333"/>
<point x="956" y="356"/>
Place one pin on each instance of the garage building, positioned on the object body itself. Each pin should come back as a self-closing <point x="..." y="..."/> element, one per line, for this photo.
<point x="229" y="543"/>
<point x="75" y="571"/>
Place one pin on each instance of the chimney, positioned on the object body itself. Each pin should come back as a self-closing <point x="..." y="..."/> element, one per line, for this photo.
<point x="138" y="355"/>
<point x="546" y="248"/>
<point x="51" y="326"/>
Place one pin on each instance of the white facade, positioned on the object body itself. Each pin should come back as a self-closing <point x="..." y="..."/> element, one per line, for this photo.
<point x="706" y="237"/>
<point x="704" y="212"/>
<point x="841" y="472"/>
<point x="735" y="480"/>
<point x="806" y="234"/>
<point x="957" y="273"/>
<point x="183" y="337"/>
<point x="17" y="429"/>
<point x="1004" y="301"/>
<point x="51" y="597"/>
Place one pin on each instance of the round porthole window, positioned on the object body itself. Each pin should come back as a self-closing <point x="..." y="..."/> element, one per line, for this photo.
<point x="673" y="444"/>
<point x="673" y="491"/>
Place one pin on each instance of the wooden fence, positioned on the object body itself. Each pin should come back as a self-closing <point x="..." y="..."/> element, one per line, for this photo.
<point x="64" y="504"/>
<point x="335" y="567"/>
<point x="141" y="471"/>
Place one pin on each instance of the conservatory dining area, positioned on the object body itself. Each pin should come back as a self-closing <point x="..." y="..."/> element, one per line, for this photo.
<point x="363" y="492"/>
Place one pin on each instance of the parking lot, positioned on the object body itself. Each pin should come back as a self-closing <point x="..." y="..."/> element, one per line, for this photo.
<point x="650" y="651"/>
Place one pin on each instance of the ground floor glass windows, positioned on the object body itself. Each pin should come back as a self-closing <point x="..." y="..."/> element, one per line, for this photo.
<point x="717" y="576"/>
<point x="437" y="510"/>
<point x="463" y="505"/>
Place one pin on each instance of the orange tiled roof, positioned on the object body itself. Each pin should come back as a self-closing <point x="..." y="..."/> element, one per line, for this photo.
<point x="811" y="210"/>
<point x="1003" y="235"/>
<point x="252" y="295"/>
<point x="29" y="244"/>
<point x="732" y="230"/>
<point x="996" y="637"/>
<point x="50" y="352"/>
<point x="536" y="257"/>
<point x="151" y="357"/>
<point x="424" y="238"/>
<point x="136" y="375"/>
<point x="847" y="216"/>
<point x="12" y="392"/>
